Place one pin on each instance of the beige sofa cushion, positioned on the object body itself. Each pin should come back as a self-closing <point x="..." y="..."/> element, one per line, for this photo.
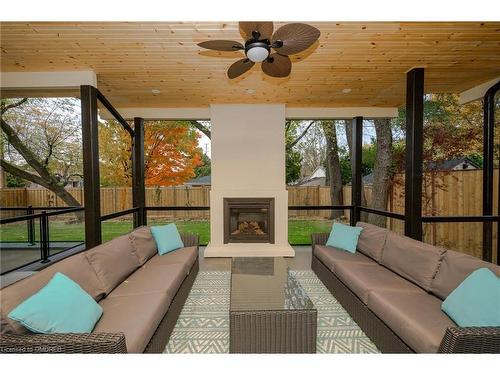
<point x="372" y="240"/>
<point x="330" y="256"/>
<point x="143" y="244"/>
<point x="76" y="267"/>
<point x="454" y="268"/>
<point x="113" y="261"/>
<point x="152" y="279"/>
<point x="185" y="256"/>
<point x="137" y="316"/>
<point x="363" y="280"/>
<point x="414" y="260"/>
<point x="416" y="318"/>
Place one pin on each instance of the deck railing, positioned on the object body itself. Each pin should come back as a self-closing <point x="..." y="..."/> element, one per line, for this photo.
<point x="42" y="240"/>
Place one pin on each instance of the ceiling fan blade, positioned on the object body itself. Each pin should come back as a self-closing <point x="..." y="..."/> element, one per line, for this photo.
<point x="277" y="66"/>
<point x="264" y="28"/>
<point x="296" y="37"/>
<point x="222" y="45"/>
<point x="239" y="67"/>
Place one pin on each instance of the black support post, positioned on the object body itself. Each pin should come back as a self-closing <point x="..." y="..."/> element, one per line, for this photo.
<point x="91" y="180"/>
<point x="414" y="147"/>
<point x="488" y="155"/>
<point x="31" y="226"/>
<point x="138" y="177"/>
<point x="356" y="155"/>
<point x="44" y="237"/>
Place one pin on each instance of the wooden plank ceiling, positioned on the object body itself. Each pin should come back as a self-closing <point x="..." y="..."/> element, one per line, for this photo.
<point x="370" y="59"/>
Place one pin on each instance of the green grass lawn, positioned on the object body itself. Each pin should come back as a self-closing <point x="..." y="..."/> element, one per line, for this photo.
<point x="299" y="231"/>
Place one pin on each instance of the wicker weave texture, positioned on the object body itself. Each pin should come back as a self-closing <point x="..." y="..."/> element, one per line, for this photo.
<point x="319" y="239"/>
<point x="471" y="340"/>
<point x="190" y="240"/>
<point x="85" y="343"/>
<point x="282" y="331"/>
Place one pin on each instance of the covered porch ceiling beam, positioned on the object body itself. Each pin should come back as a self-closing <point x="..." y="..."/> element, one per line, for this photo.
<point x="476" y="92"/>
<point x="340" y="112"/>
<point x="296" y="113"/>
<point x="45" y="84"/>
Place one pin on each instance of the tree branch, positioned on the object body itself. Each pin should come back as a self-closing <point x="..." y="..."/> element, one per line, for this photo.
<point x="25" y="152"/>
<point x="202" y="128"/>
<point x="296" y="140"/>
<point x="14" y="105"/>
<point x="18" y="172"/>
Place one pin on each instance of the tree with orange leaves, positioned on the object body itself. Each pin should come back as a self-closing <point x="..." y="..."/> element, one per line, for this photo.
<point x="170" y="148"/>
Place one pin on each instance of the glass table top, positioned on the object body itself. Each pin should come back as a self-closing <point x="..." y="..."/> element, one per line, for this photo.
<point x="265" y="283"/>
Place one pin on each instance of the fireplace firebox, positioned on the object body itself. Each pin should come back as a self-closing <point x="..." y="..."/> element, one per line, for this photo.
<point x="249" y="220"/>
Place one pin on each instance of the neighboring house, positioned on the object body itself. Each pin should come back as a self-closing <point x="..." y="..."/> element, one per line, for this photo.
<point x="368" y="179"/>
<point x="200" y="181"/>
<point x="76" y="182"/>
<point x="317" y="178"/>
<point x="457" y="164"/>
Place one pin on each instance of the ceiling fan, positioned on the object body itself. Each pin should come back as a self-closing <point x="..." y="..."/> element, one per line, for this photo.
<point x="259" y="43"/>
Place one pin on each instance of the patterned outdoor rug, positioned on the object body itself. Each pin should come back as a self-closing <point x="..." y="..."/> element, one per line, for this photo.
<point x="203" y="326"/>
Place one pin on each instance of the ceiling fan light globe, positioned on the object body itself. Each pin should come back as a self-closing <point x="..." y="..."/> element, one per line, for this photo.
<point x="257" y="54"/>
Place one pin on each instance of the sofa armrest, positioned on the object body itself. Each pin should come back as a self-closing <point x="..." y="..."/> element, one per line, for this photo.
<point x="319" y="238"/>
<point x="190" y="239"/>
<point x="64" y="343"/>
<point x="471" y="340"/>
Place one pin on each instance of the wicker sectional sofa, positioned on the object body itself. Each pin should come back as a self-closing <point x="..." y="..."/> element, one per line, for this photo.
<point x="141" y="293"/>
<point x="393" y="287"/>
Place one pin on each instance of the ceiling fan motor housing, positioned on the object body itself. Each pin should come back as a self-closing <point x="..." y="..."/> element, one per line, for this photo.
<point x="257" y="51"/>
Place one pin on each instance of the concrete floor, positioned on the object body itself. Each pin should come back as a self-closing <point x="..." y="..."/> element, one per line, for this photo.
<point x="301" y="261"/>
<point x="13" y="255"/>
<point x="10" y="259"/>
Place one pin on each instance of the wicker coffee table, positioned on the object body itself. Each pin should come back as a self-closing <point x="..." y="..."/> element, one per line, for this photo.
<point x="269" y="312"/>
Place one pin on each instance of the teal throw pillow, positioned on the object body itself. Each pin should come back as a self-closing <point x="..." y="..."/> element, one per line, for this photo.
<point x="344" y="237"/>
<point x="476" y="301"/>
<point x="167" y="238"/>
<point x="61" y="306"/>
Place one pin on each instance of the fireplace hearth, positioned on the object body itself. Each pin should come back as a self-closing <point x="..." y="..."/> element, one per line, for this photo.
<point x="249" y="220"/>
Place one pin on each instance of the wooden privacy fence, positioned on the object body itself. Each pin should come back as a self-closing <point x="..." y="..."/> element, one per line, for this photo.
<point x="445" y="194"/>
<point x="116" y="199"/>
<point x="120" y="198"/>
<point x="454" y="193"/>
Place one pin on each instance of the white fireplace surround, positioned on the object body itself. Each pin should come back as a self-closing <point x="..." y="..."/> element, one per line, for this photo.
<point x="248" y="161"/>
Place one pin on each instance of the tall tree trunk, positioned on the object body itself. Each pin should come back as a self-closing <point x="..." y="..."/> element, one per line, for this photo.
<point x="381" y="170"/>
<point x="348" y="132"/>
<point x="333" y="166"/>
